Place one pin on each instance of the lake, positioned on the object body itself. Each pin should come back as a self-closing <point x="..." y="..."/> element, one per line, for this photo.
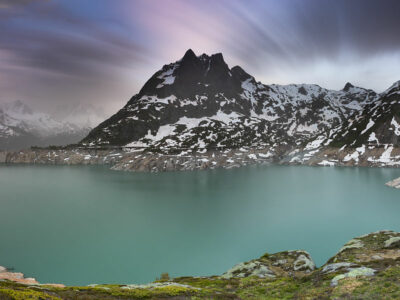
<point x="80" y="225"/>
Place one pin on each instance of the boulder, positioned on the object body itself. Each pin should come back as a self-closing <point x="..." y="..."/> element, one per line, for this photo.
<point x="394" y="183"/>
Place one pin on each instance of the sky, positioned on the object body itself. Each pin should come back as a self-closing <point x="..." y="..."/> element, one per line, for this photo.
<point x="59" y="53"/>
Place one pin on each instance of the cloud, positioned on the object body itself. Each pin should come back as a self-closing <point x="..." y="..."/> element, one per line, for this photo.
<point x="103" y="51"/>
<point x="64" y="43"/>
<point x="286" y="32"/>
<point x="15" y="3"/>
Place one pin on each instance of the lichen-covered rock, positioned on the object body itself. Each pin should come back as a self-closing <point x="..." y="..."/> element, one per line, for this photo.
<point x="366" y="255"/>
<point x="156" y="285"/>
<point x="351" y="273"/>
<point x="376" y="246"/>
<point x="393" y="242"/>
<point x="304" y="263"/>
<point x="297" y="263"/>
<point x="251" y="268"/>
<point x="331" y="268"/>
<point x="354" y="243"/>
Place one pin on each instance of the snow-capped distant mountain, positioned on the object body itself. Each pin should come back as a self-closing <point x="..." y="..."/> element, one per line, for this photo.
<point x="200" y="103"/>
<point x="42" y="125"/>
<point x="21" y="127"/>
<point x="84" y="115"/>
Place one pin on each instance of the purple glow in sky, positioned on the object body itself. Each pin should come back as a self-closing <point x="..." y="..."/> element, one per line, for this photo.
<point x="64" y="52"/>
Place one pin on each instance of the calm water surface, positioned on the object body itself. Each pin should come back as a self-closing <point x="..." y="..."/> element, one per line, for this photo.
<point x="82" y="225"/>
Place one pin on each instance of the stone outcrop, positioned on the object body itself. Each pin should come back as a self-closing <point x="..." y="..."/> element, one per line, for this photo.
<point x="287" y="263"/>
<point x="366" y="255"/>
<point x="15" y="276"/>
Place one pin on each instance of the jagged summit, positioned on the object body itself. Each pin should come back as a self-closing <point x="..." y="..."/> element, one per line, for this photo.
<point x="394" y="88"/>
<point x="190" y="75"/>
<point x="238" y="72"/>
<point x="347" y="87"/>
<point x="189" y="55"/>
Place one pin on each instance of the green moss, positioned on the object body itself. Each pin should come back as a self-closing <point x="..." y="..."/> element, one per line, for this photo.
<point x="25" y="294"/>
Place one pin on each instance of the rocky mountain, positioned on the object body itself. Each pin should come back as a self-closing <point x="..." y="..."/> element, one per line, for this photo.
<point x="199" y="103"/>
<point x="22" y="127"/>
<point x="379" y="124"/>
<point x="371" y="138"/>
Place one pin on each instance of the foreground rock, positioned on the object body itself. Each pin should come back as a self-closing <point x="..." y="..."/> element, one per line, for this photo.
<point x="15" y="276"/>
<point x="367" y="267"/>
<point x="295" y="263"/>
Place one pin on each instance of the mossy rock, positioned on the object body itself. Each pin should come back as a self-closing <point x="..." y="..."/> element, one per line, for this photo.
<point x="293" y="263"/>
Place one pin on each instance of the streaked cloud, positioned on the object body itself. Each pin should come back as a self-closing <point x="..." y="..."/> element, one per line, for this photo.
<point x="102" y="51"/>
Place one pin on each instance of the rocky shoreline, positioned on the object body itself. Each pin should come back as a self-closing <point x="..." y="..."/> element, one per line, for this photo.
<point x="140" y="160"/>
<point x="144" y="161"/>
<point x="367" y="267"/>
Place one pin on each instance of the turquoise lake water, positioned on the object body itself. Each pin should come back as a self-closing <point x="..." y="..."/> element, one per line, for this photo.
<point x="82" y="225"/>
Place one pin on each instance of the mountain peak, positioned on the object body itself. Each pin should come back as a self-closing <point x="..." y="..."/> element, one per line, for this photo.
<point x="347" y="87"/>
<point x="395" y="87"/>
<point x="218" y="57"/>
<point x="189" y="55"/>
<point x="240" y="73"/>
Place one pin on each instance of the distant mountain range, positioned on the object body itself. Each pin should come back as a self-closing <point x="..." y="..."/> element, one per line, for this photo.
<point x="22" y="127"/>
<point x="199" y="103"/>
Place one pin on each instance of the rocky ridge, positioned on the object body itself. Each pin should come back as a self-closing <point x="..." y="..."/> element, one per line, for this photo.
<point x="367" y="267"/>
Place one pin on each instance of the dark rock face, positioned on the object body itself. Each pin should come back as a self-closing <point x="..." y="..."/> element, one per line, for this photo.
<point x="377" y="126"/>
<point x="347" y="87"/>
<point x="200" y="103"/>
